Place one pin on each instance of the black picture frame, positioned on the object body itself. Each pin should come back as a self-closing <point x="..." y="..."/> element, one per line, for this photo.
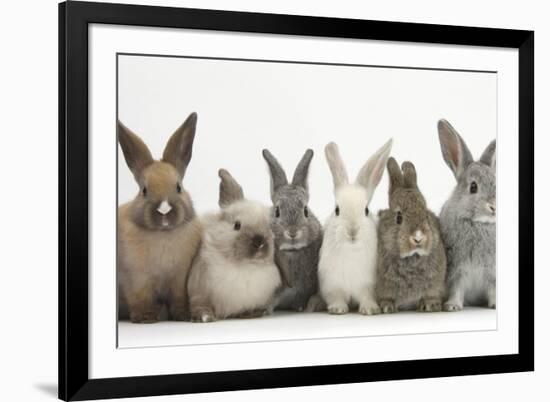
<point x="74" y="18"/>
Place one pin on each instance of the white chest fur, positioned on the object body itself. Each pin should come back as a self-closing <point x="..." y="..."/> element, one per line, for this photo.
<point x="348" y="269"/>
<point x="235" y="288"/>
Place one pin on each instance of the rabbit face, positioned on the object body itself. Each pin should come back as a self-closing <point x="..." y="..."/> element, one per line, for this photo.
<point x="292" y="223"/>
<point x="412" y="233"/>
<point x="162" y="203"/>
<point x="243" y="232"/>
<point x="290" y="219"/>
<point x="351" y="212"/>
<point x="410" y="230"/>
<point x="475" y="194"/>
<point x="474" y="197"/>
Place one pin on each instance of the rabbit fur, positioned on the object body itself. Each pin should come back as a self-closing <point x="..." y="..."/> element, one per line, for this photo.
<point x="411" y="256"/>
<point x="468" y="222"/>
<point x="158" y="236"/>
<point x="347" y="262"/>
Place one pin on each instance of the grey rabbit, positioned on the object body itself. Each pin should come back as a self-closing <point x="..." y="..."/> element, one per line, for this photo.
<point x="411" y="255"/>
<point x="298" y="233"/>
<point x="468" y="222"/>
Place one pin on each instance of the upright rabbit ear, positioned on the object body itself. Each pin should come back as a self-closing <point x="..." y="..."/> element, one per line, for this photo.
<point x="396" y="177"/>
<point x="336" y="165"/>
<point x="489" y="156"/>
<point x="230" y="190"/>
<point x="371" y="173"/>
<point x="454" y="149"/>
<point x="302" y="170"/>
<point x="136" y="153"/>
<point x="277" y="174"/>
<point x="409" y="175"/>
<point x="180" y="145"/>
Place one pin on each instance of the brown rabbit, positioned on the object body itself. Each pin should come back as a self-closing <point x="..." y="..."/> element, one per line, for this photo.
<point x="411" y="256"/>
<point x="158" y="236"/>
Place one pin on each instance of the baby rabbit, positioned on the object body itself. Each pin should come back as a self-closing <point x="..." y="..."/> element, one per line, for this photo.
<point x="468" y="222"/>
<point x="234" y="274"/>
<point x="298" y="233"/>
<point x="157" y="237"/>
<point x="347" y="264"/>
<point x="411" y="256"/>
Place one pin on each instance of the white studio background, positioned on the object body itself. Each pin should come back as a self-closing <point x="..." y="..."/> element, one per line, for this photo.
<point x="246" y="106"/>
<point x="28" y="77"/>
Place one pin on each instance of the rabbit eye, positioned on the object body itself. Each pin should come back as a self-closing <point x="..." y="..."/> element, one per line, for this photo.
<point x="366" y="211"/>
<point x="306" y="212"/>
<point x="277" y="212"/>
<point x="399" y="218"/>
<point x="237" y="225"/>
<point x="337" y="210"/>
<point x="473" y="188"/>
<point x="178" y="188"/>
<point x="144" y="191"/>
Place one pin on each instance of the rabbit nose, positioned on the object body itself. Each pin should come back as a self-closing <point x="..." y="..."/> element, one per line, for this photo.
<point x="164" y="208"/>
<point x="290" y="234"/>
<point x="492" y="207"/>
<point x="293" y="234"/>
<point x="353" y="232"/>
<point x="258" y="241"/>
<point x="417" y="237"/>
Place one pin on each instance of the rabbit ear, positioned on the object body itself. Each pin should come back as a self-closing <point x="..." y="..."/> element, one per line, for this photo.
<point x="230" y="190"/>
<point x="277" y="174"/>
<point x="454" y="149"/>
<point x="489" y="156"/>
<point x="371" y="173"/>
<point x="136" y="153"/>
<point x="396" y="177"/>
<point x="409" y="175"/>
<point x="179" y="148"/>
<point x="302" y="170"/>
<point x="336" y="165"/>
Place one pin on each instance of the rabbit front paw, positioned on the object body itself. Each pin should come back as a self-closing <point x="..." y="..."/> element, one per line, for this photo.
<point x="429" y="305"/>
<point x="369" y="309"/>
<point x="451" y="306"/>
<point x="340" y="308"/>
<point x="387" y="306"/>
<point x="203" y="315"/>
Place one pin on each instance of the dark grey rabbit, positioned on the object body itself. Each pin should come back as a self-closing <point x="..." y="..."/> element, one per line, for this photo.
<point x="298" y="233"/>
<point x="468" y="222"/>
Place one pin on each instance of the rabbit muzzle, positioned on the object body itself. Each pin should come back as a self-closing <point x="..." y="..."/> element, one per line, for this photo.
<point x="417" y="243"/>
<point x="259" y="246"/>
<point x="165" y="215"/>
<point x="488" y="214"/>
<point x="258" y="242"/>
<point x="352" y="234"/>
<point x="292" y="240"/>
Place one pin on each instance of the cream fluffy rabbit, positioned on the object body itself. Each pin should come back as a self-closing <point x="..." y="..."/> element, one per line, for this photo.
<point x="234" y="273"/>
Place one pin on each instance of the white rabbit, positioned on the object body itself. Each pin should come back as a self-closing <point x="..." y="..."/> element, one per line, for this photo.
<point x="348" y="255"/>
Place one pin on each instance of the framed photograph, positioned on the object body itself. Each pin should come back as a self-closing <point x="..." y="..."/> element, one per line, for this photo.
<point x="257" y="201"/>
